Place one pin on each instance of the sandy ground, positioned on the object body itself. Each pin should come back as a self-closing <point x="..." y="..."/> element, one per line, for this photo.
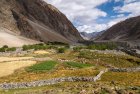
<point x="4" y="59"/>
<point x="42" y="52"/>
<point x="9" y="67"/>
<point x="13" y="40"/>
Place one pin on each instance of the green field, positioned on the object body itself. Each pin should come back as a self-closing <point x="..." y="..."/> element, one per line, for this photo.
<point x="77" y="65"/>
<point x="42" y="67"/>
<point x="82" y="62"/>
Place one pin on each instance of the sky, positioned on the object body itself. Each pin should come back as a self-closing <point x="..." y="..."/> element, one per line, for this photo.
<point x="96" y="15"/>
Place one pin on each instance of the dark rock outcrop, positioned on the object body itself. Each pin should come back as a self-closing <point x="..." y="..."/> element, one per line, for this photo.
<point x="38" y="20"/>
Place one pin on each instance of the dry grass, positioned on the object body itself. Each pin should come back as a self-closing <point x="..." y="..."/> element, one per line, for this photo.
<point x="25" y="76"/>
<point x="122" y="78"/>
<point x="40" y="52"/>
<point x="9" y="67"/>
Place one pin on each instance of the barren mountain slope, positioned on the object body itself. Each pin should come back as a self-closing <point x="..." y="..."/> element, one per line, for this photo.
<point x="13" y="40"/>
<point x="128" y="30"/>
<point x="35" y="19"/>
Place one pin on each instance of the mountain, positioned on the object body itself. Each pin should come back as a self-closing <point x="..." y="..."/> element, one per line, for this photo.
<point x="128" y="30"/>
<point x="90" y="36"/>
<point x="97" y="34"/>
<point x="37" y="20"/>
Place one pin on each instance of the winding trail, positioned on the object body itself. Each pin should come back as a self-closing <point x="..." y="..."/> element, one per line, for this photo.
<point x="51" y="81"/>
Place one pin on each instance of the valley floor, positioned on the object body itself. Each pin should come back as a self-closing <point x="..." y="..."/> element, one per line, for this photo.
<point x="49" y="64"/>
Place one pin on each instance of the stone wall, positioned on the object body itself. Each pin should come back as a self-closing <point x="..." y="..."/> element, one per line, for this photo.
<point x="15" y="53"/>
<point x="50" y="82"/>
<point x="125" y="69"/>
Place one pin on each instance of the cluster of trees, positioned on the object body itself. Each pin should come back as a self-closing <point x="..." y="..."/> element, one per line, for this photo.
<point x="35" y="47"/>
<point x="6" y="48"/>
<point x="105" y="46"/>
<point x="60" y="47"/>
<point x="78" y="48"/>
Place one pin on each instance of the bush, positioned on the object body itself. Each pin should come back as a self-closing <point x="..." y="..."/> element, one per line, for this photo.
<point x="36" y="47"/>
<point x="5" y="46"/>
<point x="61" y="50"/>
<point x="104" y="46"/>
<point x="57" y="43"/>
<point x="2" y="49"/>
<point x="85" y="54"/>
<point x="11" y="49"/>
<point x="67" y="46"/>
<point x="77" y="49"/>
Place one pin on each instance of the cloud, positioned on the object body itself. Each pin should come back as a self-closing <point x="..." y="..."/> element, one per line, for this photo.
<point x="80" y="9"/>
<point x="130" y="6"/>
<point x="85" y="14"/>
<point x="81" y="12"/>
<point x="117" y="0"/>
<point x="130" y="1"/>
<point x="94" y="27"/>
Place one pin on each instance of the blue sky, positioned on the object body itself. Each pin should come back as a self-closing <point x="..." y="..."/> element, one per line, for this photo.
<point x="97" y="15"/>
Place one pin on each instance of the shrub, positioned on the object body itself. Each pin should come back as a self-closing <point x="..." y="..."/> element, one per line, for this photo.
<point x="109" y="46"/>
<point x="11" y="49"/>
<point x="61" y="50"/>
<point x="2" y="50"/>
<point x="85" y="54"/>
<point x="78" y="48"/>
<point x="57" y="43"/>
<point x="36" y="47"/>
<point x="5" y="46"/>
<point x="67" y="46"/>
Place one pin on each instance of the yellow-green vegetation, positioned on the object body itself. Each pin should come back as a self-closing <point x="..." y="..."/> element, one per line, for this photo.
<point x="23" y="76"/>
<point x="72" y="88"/>
<point x="42" y="67"/>
<point x="115" y="60"/>
<point x="6" y="48"/>
<point x="62" y="88"/>
<point x="36" y="47"/>
<point x="122" y="78"/>
<point x="77" y="65"/>
<point x="103" y="46"/>
<point x="61" y="50"/>
<point x="83" y="61"/>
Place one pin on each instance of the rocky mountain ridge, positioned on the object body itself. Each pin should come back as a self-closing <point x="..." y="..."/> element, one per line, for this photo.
<point x="37" y="20"/>
<point x="128" y="30"/>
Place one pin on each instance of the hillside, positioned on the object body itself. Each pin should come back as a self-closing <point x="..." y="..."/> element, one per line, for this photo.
<point x="37" y="20"/>
<point x="128" y="30"/>
<point x="12" y="39"/>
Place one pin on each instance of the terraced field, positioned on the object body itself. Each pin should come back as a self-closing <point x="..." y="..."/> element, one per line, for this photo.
<point x="84" y="63"/>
